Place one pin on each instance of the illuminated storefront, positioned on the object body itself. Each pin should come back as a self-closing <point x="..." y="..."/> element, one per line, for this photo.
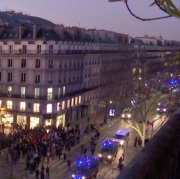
<point x="22" y="120"/>
<point x="7" y="120"/>
<point x="34" y="122"/>
<point x="48" y="122"/>
<point x="60" y="120"/>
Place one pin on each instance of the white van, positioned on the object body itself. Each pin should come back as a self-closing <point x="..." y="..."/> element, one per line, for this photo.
<point x="121" y="136"/>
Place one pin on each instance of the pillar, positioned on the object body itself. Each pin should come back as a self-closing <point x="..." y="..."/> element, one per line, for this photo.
<point x="15" y="119"/>
<point x="28" y="122"/>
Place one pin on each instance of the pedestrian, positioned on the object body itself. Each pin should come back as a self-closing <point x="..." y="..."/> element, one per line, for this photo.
<point x="59" y="153"/>
<point x="47" y="171"/>
<point x="85" y="151"/>
<point x="69" y="163"/>
<point x="65" y="157"/>
<point x="37" y="173"/>
<point x="92" y="151"/>
<point x="42" y="174"/>
<point x="135" y="142"/>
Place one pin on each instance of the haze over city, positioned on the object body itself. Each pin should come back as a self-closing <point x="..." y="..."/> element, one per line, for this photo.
<point x="101" y="15"/>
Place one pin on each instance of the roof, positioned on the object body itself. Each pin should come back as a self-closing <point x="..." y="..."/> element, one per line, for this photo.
<point x="15" y="19"/>
<point x="122" y="131"/>
<point x="136" y="42"/>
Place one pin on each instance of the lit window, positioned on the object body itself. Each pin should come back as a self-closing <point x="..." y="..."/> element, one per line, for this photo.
<point x="0" y="103"/>
<point x="68" y="103"/>
<point x="58" y="106"/>
<point x="64" y="90"/>
<point x="22" y="106"/>
<point x="63" y="105"/>
<point x="9" y="104"/>
<point x="23" y="89"/>
<point x="49" y="108"/>
<point x="76" y="100"/>
<point x="36" y="92"/>
<point x="36" y="107"/>
<point x="49" y="93"/>
<point x="79" y="99"/>
<point x="72" y="102"/>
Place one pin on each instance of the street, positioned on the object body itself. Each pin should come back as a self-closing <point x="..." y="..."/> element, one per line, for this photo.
<point x="59" y="169"/>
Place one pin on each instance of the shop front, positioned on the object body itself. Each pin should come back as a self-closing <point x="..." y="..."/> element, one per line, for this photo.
<point x="60" y="120"/>
<point x="48" y="122"/>
<point x="7" y="120"/>
<point x="34" y="122"/>
<point x="22" y="121"/>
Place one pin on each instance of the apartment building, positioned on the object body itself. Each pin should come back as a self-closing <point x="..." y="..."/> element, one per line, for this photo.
<point x="50" y="74"/>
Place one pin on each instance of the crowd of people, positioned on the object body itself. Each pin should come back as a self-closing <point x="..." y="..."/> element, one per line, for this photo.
<point x="44" y="143"/>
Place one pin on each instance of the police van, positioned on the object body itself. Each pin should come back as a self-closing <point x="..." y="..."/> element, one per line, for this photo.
<point x="127" y="113"/>
<point x="108" y="150"/>
<point x="121" y="136"/>
<point x="87" y="167"/>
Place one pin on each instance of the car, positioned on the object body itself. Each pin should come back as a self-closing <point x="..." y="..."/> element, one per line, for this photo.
<point x="121" y="136"/>
<point x="162" y="107"/>
<point x="87" y="167"/>
<point x="127" y="113"/>
<point x="108" y="150"/>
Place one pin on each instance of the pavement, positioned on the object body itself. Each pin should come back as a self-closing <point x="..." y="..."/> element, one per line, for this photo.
<point x="59" y="169"/>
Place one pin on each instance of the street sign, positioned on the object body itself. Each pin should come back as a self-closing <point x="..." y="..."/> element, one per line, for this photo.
<point x="112" y="112"/>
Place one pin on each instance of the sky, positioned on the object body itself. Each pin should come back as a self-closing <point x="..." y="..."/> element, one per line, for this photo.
<point x="101" y="14"/>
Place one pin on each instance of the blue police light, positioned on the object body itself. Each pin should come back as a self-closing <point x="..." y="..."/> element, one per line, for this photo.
<point x="80" y="162"/>
<point x="172" y="82"/>
<point x="175" y="81"/>
<point x="87" y="157"/>
<point x="88" y="164"/>
<point x="95" y="159"/>
<point x="104" y="144"/>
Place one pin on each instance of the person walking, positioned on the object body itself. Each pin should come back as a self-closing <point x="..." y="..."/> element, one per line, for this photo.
<point x="65" y="156"/>
<point x="47" y="171"/>
<point x="69" y="163"/>
<point x="37" y="173"/>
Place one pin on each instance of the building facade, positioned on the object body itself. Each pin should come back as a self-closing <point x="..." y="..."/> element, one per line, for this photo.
<point x="51" y="74"/>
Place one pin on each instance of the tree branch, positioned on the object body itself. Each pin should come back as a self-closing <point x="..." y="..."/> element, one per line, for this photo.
<point x="142" y="19"/>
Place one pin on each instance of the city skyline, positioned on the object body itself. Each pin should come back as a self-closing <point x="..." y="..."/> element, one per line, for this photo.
<point x="107" y="17"/>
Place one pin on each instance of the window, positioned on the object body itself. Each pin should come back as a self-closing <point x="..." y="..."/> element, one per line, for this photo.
<point x="59" y="92"/>
<point x="58" y="106"/>
<point x="0" y="63"/>
<point x="50" y="78"/>
<point x="76" y="100"/>
<point x="0" y="76"/>
<point x="9" y="76"/>
<point x="36" y="107"/>
<point x="9" y="104"/>
<point x="37" y="78"/>
<point x="37" y="63"/>
<point x="68" y="103"/>
<point x="9" y="62"/>
<point x="0" y="49"/>
<point x="23" y="63"/>
<point x="49" y="93"/>
<point x="36" y="92"/>
<point x="23" y="77"/>
<point x="72" y="102"/>
<point x="24" y="49"/>
<point x="50" y="63"/>
<point x="64" y="90"/>
<point x="79" y="99"/>
<point x="22" y="106"/>
<point x="9" y="90"/>
<point x="49" y="108"/>
<point x="50" y="49"/>
<point x="23" y="92"/>
<point x="10" y="49"/>
<point x="63" y="105"/>
<point x="0" y="103"/>
<point x="38" y="48"/>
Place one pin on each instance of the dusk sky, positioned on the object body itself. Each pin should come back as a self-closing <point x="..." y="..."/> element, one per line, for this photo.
<point x="102" y="15"/>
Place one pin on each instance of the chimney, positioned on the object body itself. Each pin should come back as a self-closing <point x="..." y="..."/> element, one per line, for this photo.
<point x="21" y="31"/>
<point x="35" y="30"/>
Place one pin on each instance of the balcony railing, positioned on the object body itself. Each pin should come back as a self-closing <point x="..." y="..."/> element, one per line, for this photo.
<point x="59" y="52"/>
